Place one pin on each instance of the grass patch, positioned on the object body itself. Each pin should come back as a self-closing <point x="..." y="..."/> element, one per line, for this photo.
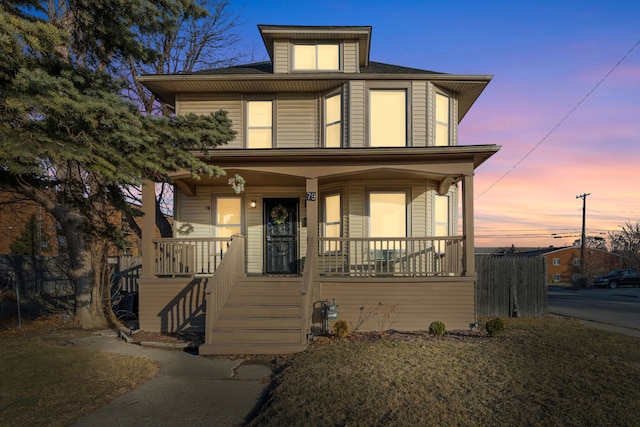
<point x="548" y="371"/>
<point x="44" y="379"/>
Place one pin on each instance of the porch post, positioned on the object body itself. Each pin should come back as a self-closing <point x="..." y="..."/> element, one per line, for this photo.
<point x="148" y="227"/>
<point x="467" y="225"/>
<point x="312" y="207"/>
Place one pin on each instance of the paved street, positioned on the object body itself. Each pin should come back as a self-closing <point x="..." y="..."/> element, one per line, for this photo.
<point x="612" y="309"/>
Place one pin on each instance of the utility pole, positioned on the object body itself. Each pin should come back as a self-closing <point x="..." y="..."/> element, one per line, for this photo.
<point x="584" y="236"/>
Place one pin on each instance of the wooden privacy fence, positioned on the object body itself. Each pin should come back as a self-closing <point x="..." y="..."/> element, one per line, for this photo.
<point x="511" y="286"/>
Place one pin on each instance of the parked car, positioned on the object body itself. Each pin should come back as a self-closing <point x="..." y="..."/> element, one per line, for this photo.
<point x="615" y="278"/>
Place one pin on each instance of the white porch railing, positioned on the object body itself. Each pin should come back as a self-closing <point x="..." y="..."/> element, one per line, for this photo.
<point x="188" y="257"/>
<point x="408" y="257"/>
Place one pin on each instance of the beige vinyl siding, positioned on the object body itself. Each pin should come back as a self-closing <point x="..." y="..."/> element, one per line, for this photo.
<point x="454" y="120"/>
<point x="431" y="108"/>
<point x="193" y="218"/>
<point x="350" y="57"/>
<point x="403" y="304"/>
<point x="281" y="57"/>
<point x="420" y="114"/>
<point x="206" y="103"/>
<point x="418" y="209"/>
<point x="297" y="121"/>
<point x="356" y="117"/>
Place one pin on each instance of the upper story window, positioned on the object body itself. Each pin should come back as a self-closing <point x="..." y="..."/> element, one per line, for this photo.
<point x="259" y="124"/>
<point x="333" y="121"/>
<point x="443" y="115"/>
<point x="316" y="57"/>
<point x="388" y="118"/>
<point x="556" y="261"/>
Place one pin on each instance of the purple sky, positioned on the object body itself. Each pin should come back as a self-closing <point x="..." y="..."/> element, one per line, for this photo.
<point x="564" y="131"/>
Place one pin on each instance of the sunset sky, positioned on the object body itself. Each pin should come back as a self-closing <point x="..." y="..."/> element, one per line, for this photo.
<point x="564" y="102"/>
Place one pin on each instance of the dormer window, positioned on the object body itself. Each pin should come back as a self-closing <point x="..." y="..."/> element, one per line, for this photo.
<point x="308" y="57"/>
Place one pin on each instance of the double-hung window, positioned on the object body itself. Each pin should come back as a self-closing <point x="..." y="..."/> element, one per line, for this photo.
<point x="443" y="117"/>
<point x="333" y="120"/>
<point x="316" y="57"/>
<point x="260" y="124"/>
<point x="332" y="221"/>
<point x="227" y="219"/>
<point x="387" y="118"/>
<point x="441" y="221"/>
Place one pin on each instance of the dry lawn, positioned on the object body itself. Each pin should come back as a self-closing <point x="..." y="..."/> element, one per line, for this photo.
<point x="550" y="371"/>
<point x="46" y="380"/>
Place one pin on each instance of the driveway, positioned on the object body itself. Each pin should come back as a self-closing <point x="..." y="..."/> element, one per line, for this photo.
<point x="611" y="309"/>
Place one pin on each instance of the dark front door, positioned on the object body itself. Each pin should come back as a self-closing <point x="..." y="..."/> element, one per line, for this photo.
<point x="281" y="220"/>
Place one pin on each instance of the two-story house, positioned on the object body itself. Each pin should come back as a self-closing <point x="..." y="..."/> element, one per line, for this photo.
<point x="354" y="188"/>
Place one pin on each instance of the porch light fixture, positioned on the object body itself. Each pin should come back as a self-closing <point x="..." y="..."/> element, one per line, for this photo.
<point x="252" y="204"/>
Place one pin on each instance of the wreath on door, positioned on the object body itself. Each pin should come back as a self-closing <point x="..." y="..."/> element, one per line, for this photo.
<point x="279" y="215"/>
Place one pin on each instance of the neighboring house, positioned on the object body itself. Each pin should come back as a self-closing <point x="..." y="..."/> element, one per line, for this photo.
<point x="563" y="264"/>
<point x="354" y="180"/>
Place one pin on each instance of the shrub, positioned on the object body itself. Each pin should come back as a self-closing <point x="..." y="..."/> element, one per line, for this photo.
<point x="437" y="328"/>
<point x="494" y="327"/>
<point x="341" y="329"/>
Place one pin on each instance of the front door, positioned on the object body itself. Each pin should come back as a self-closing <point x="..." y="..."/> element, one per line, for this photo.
<point x="281" y="222"/>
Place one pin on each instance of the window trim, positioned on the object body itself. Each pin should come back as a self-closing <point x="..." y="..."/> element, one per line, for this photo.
<point x="391" y="86"/>
<point x="325" y="125"/>
<point x="434" y="212"/>
<point x="316" y="69"/>
<point x="247" y="128"/>
<point x="449" y="118"/>
<point x="214" y="213"/>
<point x="323" y="213"/>
<point x="390" y="190"/>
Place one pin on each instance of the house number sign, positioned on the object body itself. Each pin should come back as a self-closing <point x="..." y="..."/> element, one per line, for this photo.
<point x="311" y="196"/>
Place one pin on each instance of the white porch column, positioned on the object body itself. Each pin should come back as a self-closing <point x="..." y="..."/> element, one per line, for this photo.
<point x="312" y="207"/>
<point x="148" y="227"/>
<point x="467" y="225"/>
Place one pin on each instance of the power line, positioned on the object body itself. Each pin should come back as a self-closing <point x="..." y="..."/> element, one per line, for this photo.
<point x="560" y="122"/>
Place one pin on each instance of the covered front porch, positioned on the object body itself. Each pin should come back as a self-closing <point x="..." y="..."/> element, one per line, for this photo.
<point x="225" y="286"/>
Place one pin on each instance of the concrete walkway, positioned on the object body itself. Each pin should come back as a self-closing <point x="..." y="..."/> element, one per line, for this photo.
<point x="189" y="390"/>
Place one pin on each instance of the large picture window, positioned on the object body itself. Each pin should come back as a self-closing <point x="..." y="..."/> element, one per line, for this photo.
<point x="333" y="121"/>
<point x="387" y="214"/>
<point x="387" y="118"/>
<point x="442" y="137"/>
<point x="316" y="57"/>
<point x="259" y="124"/>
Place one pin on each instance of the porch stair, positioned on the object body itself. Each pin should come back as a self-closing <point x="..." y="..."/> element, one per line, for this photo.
<point x="262" y="315"/>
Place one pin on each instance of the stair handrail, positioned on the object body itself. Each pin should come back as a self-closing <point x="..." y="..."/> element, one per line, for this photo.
<point x="219" y="287"/>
